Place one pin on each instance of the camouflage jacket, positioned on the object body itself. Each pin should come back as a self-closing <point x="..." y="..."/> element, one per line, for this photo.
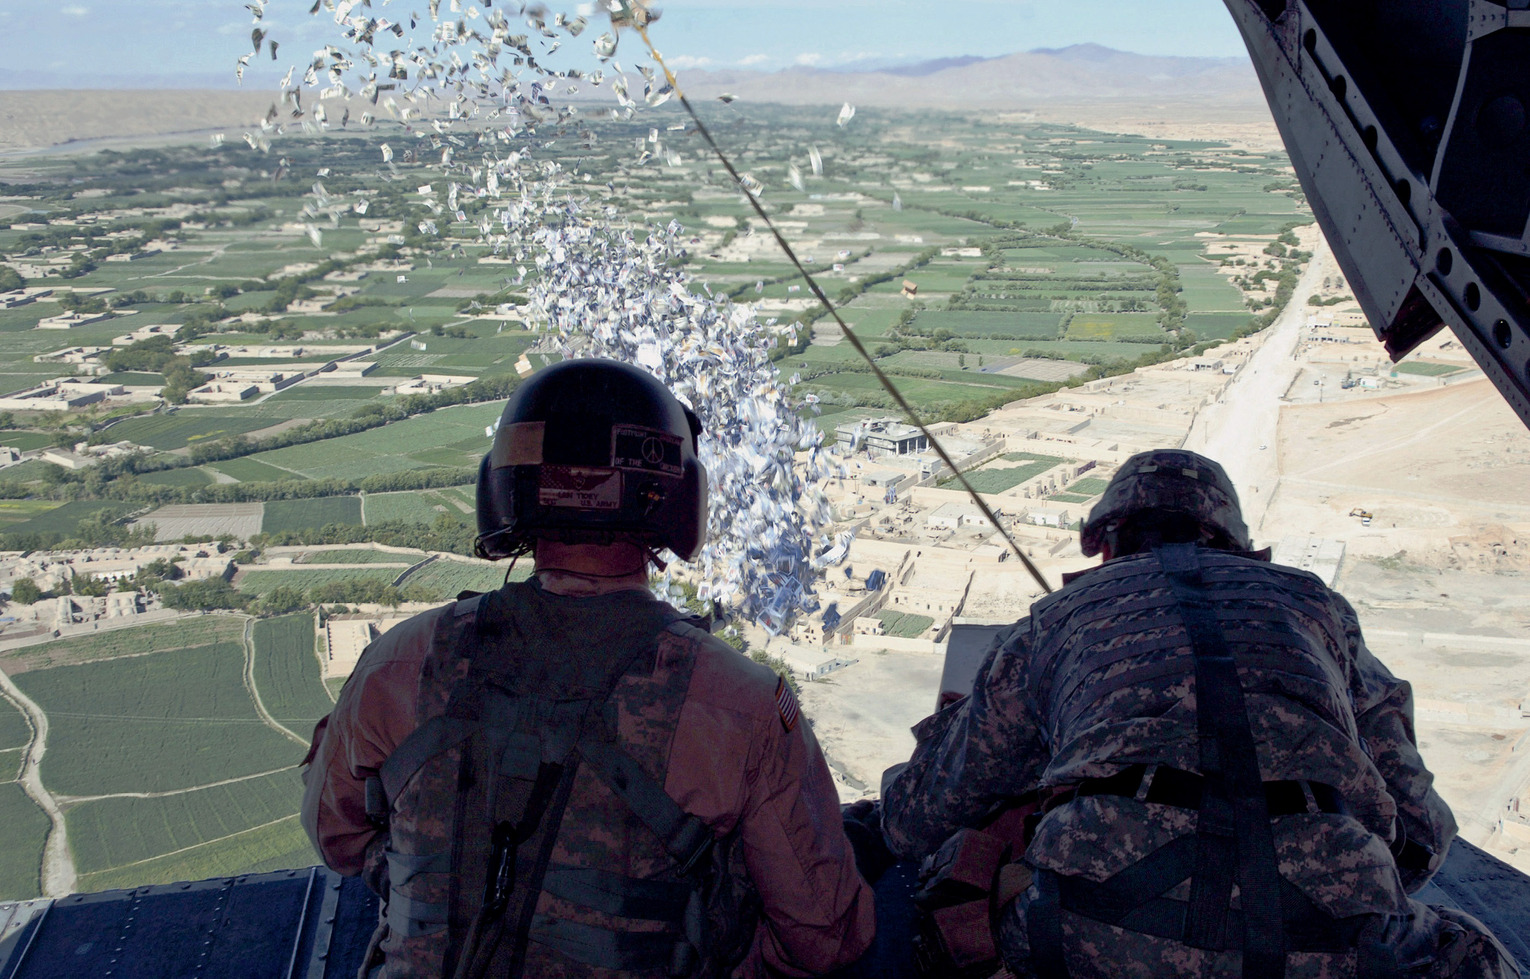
<point x="732" y="761"/>
<point x="1100" y="676"/>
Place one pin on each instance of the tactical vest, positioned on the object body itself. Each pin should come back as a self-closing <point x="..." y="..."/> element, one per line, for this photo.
<point x="1107" y="647"/>
<point x="527" y="833"/>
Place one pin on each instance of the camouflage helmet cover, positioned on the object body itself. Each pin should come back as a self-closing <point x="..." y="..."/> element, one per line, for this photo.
<point x="1173" y="481"/>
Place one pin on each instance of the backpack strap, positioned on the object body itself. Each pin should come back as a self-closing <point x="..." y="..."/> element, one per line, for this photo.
<point x="1233" y="841"/>
<point x="1234" y="818"/>
<point x="685" y="837"/>
<point x="439" y="734"/>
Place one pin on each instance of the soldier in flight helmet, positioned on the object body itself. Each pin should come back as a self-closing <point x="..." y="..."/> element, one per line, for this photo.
<point x="566" y="777"/>
<point x="593" y="451"/>
<point x="1182" y="721"/>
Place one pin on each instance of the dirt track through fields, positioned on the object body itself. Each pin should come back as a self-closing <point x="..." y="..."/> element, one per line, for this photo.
<point x="249" y="684"/>
<point x="58" y="873"/>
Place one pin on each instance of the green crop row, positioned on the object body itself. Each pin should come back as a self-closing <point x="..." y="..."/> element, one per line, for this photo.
<point x="287" y="673"/>
<point x="26" y="830"/>
<point x="259" y="581"/>
<point x="905" y="625"/>
<point x="279" y="845"/>
<point x="116" y="832"/>
<point x="196" y="630"/>
<point x="153" y="723"/>
<point x="285" y="515"/>
<point x="362" y="557"/>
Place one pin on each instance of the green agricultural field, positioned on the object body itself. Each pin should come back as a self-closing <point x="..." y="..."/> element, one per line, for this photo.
<point x="362" y="557"/>
<point x="905" y="625"/>
<point x="310" y="391"/>
<point x="992" y="478"/>
<point x="177" y="430"/>
<point x="64" y="519"/>
<point x="133" y="379"/>
<point x="183" y="633"/>
<point x="394" y="448"/>
<point x="19" y="511"/>
<point x="448" y="578"/>
<point x="1067" y="498"/>
<point x="26" y="831"/>
<point x="178" y="477"/>
<point x="15" y="732"/>
<point x="1426" y="368"/>
<point x="248" y="470"/>
<point x="279" y="845"/>
<point x="919" y="392"/>
<point x="1109" y="326"/>
<point x="1207" y="290"/>
<point x="25" y="441"/>
<point x="110" y="833"/>
<point x="153" y="723"/>
<point x="422" y="506"/>
<point x="1217" y="326"/>
<point x="984" y="323"/>
<point x="27" y="472"/>
<point x="282" y="515"/>
<point x="260" y="580"/>
<point x="1088" y="486"/>
<point x="287" y="673"/>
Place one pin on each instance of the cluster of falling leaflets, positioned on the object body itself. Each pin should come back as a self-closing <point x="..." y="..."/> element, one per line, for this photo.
<point x="605" y="288"/>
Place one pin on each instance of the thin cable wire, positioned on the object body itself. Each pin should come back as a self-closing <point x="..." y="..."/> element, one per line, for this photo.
<point x="855" y="341"/>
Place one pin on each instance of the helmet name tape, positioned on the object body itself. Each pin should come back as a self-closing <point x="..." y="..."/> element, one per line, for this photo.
<point x="580" y="488"/>
<point x="519" y="444"/>
<point x="646" y="449"/>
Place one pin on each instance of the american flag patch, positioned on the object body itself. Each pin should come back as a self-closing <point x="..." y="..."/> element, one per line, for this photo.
<point x="786" y="703"/>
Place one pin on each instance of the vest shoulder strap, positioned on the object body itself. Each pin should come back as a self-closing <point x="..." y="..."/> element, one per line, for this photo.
<point x="685" y="837"/>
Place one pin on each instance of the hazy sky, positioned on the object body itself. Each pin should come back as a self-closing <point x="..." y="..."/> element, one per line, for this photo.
<point x="144" y="43"/>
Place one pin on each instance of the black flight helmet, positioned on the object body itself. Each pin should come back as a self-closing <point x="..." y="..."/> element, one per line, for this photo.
<point x="593" y="451"/>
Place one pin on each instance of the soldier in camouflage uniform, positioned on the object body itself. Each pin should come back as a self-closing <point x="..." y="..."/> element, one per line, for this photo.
<point x="1142" y="706"/>
<point x="564" y="779"/>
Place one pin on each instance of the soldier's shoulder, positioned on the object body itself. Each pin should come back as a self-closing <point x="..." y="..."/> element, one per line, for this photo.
<point x="723" y="676"/>
<point x="409" y="639"/>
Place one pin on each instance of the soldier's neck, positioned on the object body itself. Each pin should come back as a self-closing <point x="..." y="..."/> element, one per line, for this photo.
<point x="584" y="570"/>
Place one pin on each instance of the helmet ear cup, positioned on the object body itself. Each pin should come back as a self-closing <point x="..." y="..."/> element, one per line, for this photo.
<point x="496" y="510"/>
<point x="688" y="521"/>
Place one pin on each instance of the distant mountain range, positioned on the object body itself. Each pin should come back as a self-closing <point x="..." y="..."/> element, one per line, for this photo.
<point x="1080" y="73"/>
<point x="38" y="110"/>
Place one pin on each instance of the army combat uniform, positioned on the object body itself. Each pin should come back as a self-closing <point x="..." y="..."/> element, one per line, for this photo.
<point x="716" y="731"/>
<point x="1092" y="699"/>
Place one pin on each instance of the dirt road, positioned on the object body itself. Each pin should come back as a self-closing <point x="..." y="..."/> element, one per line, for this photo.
<point x="58" y="874"/>
<point x="249" y="684"/>
<point x="1239" y="430"/>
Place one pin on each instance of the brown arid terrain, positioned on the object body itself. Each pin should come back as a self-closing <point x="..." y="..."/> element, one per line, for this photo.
<point x="31" y="120"/>
<point x="1439" y="574"/>
<point x="1085" y="85"/>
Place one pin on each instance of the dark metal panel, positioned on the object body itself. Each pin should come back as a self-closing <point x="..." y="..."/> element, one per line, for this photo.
<point x="1356" y="90"/>
<point x="1489" y="890"/>
<point x="305" y="923"/>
